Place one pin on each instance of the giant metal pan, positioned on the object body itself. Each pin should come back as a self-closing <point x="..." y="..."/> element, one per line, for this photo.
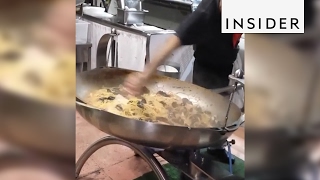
<point x="151" y="134"/>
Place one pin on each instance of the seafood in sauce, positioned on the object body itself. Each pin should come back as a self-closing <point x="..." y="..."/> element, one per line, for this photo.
<point x="160" y="107"/>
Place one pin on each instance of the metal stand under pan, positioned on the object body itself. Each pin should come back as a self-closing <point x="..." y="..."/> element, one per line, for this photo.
<point x="191" y="163"/>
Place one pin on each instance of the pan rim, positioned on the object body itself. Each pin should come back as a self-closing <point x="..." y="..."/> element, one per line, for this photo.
<point x="164" y="125"/>
<point x="95" y="71"/>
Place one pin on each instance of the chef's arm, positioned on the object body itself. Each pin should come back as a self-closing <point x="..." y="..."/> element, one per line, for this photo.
<point x="194" y="29"/>
<point x="165" y="50"/>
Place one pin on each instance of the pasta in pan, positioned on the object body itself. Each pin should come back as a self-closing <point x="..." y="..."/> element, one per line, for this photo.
<point x="157" y="107"/>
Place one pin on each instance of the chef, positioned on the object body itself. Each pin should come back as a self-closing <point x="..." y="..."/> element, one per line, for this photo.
<point x="214" y="54"/>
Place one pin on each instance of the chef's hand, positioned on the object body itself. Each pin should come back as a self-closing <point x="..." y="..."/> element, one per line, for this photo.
<point x="135" y="82"/>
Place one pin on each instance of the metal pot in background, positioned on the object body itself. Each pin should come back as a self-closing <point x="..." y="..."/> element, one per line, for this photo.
<point x="129" y="17"/>
<point x="170" y="69"/>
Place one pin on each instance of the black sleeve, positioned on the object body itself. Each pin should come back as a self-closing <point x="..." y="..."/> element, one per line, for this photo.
<point x="198" y="25"/>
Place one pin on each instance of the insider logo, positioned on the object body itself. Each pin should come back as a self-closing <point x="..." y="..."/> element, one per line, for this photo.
<point x="263" y="23"/>
<point x="262" y="16"/>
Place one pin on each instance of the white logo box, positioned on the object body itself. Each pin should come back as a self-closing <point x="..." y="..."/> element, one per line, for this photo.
<point x="262" y="16"/>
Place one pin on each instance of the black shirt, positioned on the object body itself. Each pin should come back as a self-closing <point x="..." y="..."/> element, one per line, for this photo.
<point x="203" y="29"/>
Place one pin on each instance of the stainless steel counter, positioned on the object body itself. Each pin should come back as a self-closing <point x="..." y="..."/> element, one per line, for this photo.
<point x="137" y="45"/>
<point x="112" y="23"/>
<point x="138" y="30"/>
<point x="83" y="57"/>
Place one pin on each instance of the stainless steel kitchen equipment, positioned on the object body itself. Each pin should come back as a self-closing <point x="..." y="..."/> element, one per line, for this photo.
<point x="167" y="14"/>
<point x="183" y="152"/>
<point x="152" y="35"/>
<point x="108" y="50"/>
<point x="121" y="4"/>
<point x="161" y="136"/>
<point x="83" y="57"/>
<point x="129" y="17"/>
<point x="170" y="69"/>
<point x="164" y="14"/>
<point x="134" y="4"/>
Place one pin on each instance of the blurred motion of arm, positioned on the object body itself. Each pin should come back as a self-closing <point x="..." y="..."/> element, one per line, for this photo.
<point x="171" y="44"/>
<point x="193" y="30"/>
